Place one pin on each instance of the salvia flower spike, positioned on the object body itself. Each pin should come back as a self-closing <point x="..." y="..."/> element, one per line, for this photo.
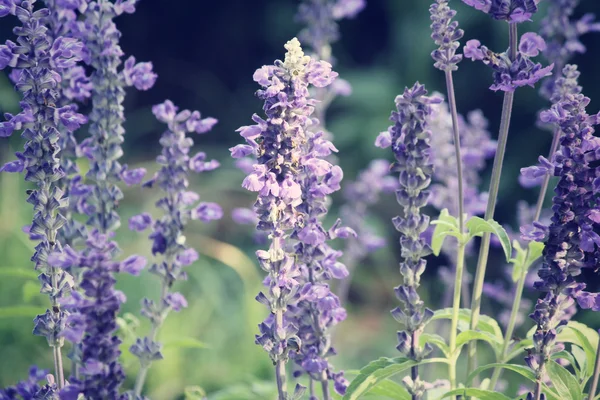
<point x="278" y="143"/>
<point x="179" y="206"/>
<point x="38" y="60"/>
<point x="409" y="139"/>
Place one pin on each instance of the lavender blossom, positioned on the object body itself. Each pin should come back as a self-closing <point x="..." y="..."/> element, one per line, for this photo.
<point x="278" y="143"/>
<point x="572" y="242"/>
<point x="509" y="75"/>
<point x="38" y="59"/>
<point x="318" y="309"/>
<point x="100" y="373"/>
<point x="562" y="35"/>
<point x="179" y="206"/>
<point x="410" y="141"/>
<point x="446" y="35"/>
<point x="512" y="11"/>
<point x="27" y="389"/>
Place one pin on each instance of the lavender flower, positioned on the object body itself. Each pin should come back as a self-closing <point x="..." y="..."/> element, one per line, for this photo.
<point x="506" y="10"/>
<point x="100" y="373"/>
<point x="410" y="142"/>
<point x="562" y="35"/>
<point x="318" y="309"/>
<point x="446" y="35"/>
<point x="179" y="206"/>
<point x="27" y="389"/>
<point x="572" y="242"/>
<point x="279" y="143"/>
<point x="38" y="60"/>
<point x="509" y="75"/>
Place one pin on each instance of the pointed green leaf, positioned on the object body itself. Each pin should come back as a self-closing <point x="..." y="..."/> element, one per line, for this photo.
<point x="485" y="324"/>
<point x="564" y="382"/>
<point x="436" y="340"/>
<point x="477" y="226"/>
<point x="467" y="336"/>
<point x="518" y="261"/>
<point x="535" y="251"/>
<point x="445" y="225"/>
<point x="582" y="362"/>
<point x="379" y="370"/>
<point x="478" y="393"/>
<point x="583" y="336"/>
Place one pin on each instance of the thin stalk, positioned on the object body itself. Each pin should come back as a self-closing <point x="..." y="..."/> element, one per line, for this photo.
<point x="414" y="371"/>
<point x="311" y="387"/>
<point x="491" y="204"/>
<point x="325" y="386"/>
<point x="594" y="385"/>
<point x="56" y="367"/>
<point x="280" y="365"/>
<point x="521" y="283"/>
<point x="460" y="256"/>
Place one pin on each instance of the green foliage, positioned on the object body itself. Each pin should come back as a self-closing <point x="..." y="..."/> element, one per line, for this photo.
<point x="445" y="225"/>
<point x="481" y="394"/>
<point x="563" y="382"/>
<point x="477" y="226"/>
<point x="524" y="258"/>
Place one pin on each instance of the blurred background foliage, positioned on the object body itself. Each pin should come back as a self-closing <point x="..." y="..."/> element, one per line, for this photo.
<point x="205" y="53"/>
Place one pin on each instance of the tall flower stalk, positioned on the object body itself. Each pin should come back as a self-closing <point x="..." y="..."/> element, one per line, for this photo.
<point x="409" y="138"/>
<point x="278" y="143"/>
<point x="37" y="60"/>
<point x="179" y="206"/>
<point x="446" y="35"/>
<point x="100" y="375"/>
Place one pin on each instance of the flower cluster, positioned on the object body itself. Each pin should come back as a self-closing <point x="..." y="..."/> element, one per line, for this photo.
<point x="179" y="206"/>
<point x="38" y="59"/>
<point x="280" y="144"/>
<point x="410" y="138"/>
<point x="562" y="35"/>
<point x="446" y="35"/>
<point x="27" y="389"/>
<point x="510" y="74"/>
<point x="572" y="241"/>
<point x="512" y="11"/>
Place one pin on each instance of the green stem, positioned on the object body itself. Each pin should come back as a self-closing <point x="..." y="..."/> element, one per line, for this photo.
<point x="460" y="256"/>
<point x="491" y="204"/>
<point x="594" y="385"/>
<point x="325" y="386"/>
<point x="280" y="364"/>
<point x="521" y="283"/>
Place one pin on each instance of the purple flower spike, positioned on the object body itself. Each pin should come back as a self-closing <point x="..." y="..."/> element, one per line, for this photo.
<point x="446" y="35"/>
<point x="140" y="222"/>
<point x="506" y="10"/>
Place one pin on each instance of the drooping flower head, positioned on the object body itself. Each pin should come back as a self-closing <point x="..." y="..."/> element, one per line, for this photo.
<point x="572" y="241"/>
<point x="279" y="142"/>
<point x="179" y="206"/>
<point x="511" y="74"/>
<point x="506" y="10"/>
<point x="409" y="139"/>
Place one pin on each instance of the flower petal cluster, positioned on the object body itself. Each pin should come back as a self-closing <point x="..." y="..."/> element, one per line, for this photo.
<point x="410" y="139"/>
<point x="38" y="59"/>
<point x="320" y="18"/>
<point x="562" y="34"/>
<point x="572" y="241"/>
<point x="179" y="205"/>
<point x="26" y="389"/>
<point x="317" y="308"/>
<point x="509" y="75"/>
<point x="279" y="143"/>
<point x="512" y="11"/>
<point x="446" y="35"/>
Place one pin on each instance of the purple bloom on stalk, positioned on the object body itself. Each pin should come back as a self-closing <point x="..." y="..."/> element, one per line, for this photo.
<point x="179" y="206"/>
<point x="509" y="75"/>
<point x="281" y="144"/>
<point x="506" y="10"/>
<point x="410" y="137"/>
<point x="27" y="389"/>
<point x="570" y="241"/>
<point x="446" y="35"/>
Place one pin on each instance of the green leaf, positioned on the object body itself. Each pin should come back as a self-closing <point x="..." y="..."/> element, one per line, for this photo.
<point x="565" y="355"/>
<point x="582" y="362"/>
<point x="584" y="337"/>
<point x="194" y="393"/>
<point x="478" y="393"/>
<point x="10" y="272"/>
<point x="564" y="382"/>
<point x="20" y="311"/>
<point x="436" y="340"/>
<point x="477" y="226"/>
<point x="535" y="251"/>
<point x="467" y="336"/>
<point x="485" y="324"/>
<point x="519" y="369"/>
<point x="386" y="388"/>
<point x="186" y="343"/>
<point x="445" y="225"/>
<point x="518" y="261"/>
<point x="379" y="370"/>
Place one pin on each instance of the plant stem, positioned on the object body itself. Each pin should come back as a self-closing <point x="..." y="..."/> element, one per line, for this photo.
<point x="594" y="385"/>
<point x="491" y="204"/>
<point x="521" y="283"/>
<point x="325" y="386"/>
<point x="460" y="256"/>
<point x="280" y="364"/>
<point x="414" y="371"/>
